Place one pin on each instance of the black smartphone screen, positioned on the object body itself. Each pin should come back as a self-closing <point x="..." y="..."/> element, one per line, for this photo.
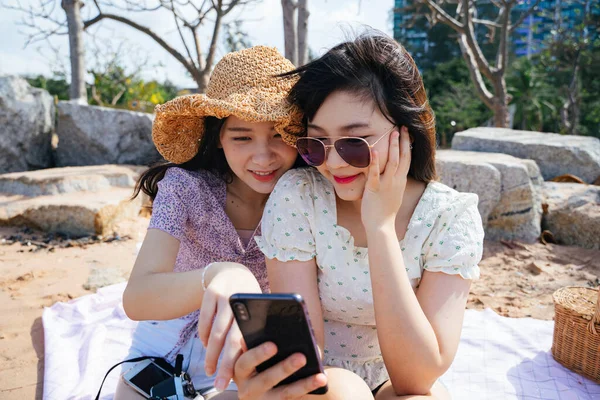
<point x="283" y="320"/>
<point x="149" y="377"/>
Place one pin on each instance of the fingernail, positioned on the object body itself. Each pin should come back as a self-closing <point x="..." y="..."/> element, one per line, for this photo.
<point x="221" y="384"/>
<point x="209" y="371"/>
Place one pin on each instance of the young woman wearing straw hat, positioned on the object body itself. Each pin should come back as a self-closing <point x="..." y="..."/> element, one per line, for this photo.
<point x="226" y="150"/>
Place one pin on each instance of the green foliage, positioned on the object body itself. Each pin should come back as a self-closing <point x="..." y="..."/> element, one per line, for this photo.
<point x="57" y="86"/>
<point x="532" y="97"/>
<point x="453" y="99"/>
<point x="138" y="95"/>
<point x="567" y="67"/>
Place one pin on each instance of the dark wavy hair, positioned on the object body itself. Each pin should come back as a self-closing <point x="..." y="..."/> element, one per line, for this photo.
<point x="210" y="158"/>
<point x="374" y="66"/>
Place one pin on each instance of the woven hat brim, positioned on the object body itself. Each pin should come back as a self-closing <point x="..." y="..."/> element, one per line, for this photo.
<point x="179" y="124"/>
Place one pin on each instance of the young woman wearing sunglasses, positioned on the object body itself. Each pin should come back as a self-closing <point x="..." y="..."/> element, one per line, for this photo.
<point x="382" y="253"/>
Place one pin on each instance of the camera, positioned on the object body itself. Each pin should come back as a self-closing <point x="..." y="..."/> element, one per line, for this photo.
<point x="175" y="388"/>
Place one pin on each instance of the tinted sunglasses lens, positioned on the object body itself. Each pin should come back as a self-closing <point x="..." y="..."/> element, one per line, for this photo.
<point x="311" y="150"/>
<point x="355" y="151"/>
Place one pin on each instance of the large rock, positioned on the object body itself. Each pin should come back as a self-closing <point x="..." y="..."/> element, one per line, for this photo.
<point x="75" y="214"/>
<point x="554" y="154"/>
<point x="90" y="135"/>
<point x="77" y="201"/>
<point x="573" y="213"/>
<point x="26" y="126"/>
<point x="70" y="179"/>
<point x="508" y="190"/>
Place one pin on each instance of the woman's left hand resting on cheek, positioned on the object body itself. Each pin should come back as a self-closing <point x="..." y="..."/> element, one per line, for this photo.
<point x="384" y="191"/>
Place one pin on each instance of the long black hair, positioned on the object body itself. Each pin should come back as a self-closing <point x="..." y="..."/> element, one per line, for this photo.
<point x="210" y="158"/>
<point x="374" y="66"/>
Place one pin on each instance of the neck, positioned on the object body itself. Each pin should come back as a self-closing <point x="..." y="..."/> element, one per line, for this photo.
<point x="354" y="206"/>
<point x="250" y="197"/>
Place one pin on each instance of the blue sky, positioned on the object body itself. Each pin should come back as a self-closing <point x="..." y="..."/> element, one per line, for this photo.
<point x="329" y="21"/>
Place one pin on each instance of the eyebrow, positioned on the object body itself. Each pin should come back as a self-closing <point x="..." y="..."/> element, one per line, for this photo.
<point x="242" y="129"/>
<point x="238" y="129"/>
<point x="345" y="128"/>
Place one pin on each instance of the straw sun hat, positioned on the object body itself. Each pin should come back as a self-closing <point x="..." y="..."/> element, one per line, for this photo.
<point x="242" y="84"/>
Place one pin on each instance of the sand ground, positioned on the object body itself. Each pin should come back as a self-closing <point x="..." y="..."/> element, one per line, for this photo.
<point x="517" y="280"/>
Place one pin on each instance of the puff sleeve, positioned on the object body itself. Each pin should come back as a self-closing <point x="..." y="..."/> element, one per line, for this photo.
<point x="288" y="219"/>
<point x="455" y="245"/>
<point x="169" y="213"/>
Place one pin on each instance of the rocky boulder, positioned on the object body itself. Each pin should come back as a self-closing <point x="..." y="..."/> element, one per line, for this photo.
<point x="554" y="154"/>
<point x="77" y="201"/>
<point x="54" y="181"/>
<point x="572" y="213"/>
<point x="90" y="135"/>
<point x="508" y="190"/>
<point x="26" y="126"/>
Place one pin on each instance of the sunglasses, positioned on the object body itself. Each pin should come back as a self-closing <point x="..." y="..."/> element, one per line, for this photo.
<point x="355" y="151"/>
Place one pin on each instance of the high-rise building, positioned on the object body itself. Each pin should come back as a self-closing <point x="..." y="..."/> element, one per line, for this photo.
<point x="527" y="39"/>
<point x="537" y="28"/>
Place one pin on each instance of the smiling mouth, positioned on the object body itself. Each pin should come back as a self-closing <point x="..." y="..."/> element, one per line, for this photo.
<point x="345" y="179"/>
<point x="263" y="176"/>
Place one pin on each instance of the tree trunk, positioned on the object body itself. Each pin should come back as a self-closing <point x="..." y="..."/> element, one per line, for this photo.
<point x="303" y="14"/>
<point x="289" y="30"/>
<point x="75" y="26"/>
<point x="201" y="79"/>
<point x="501" y="100"/>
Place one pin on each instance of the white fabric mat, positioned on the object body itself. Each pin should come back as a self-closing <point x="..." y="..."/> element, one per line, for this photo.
<point x="498" y="358"/>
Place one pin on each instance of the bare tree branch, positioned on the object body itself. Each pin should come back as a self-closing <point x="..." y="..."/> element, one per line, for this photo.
<point x="189" y="17"/>
<point x="480" y="87"/>
<point x="502" y="53"/>
<point x="524" y="16"/>
<point x="469" y="31"/>
<point x="178" y="56"/>
<point x="441" y="15"/>
<point x="187" y="49"/>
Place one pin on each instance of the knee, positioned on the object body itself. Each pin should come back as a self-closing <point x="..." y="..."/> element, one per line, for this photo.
<point x="344" y="384"/>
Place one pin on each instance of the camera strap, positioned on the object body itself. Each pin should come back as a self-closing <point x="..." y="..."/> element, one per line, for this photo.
<point x="159" y="360"/>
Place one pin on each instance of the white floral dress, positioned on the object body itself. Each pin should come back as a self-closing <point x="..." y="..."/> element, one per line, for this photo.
<point x="445" y="234"/>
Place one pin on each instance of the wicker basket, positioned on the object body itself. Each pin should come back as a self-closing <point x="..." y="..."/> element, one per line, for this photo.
<point x="576" y="341"/>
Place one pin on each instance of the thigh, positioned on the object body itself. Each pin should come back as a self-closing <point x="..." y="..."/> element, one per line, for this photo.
<point x="226" y="395"/>
<point x="438" y="392"/>
<point x="343" y="385"/>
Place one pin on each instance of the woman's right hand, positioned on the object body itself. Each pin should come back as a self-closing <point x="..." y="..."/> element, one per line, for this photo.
<point x="259" y="386"/>
<point x="216" y="329"/>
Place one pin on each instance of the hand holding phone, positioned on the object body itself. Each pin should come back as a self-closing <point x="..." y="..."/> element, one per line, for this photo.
<point x="283" y="320"/>
<point x="260" y="386"/>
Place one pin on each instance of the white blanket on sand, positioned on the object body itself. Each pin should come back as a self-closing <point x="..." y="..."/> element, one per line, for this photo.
<point x="498" y="358"/>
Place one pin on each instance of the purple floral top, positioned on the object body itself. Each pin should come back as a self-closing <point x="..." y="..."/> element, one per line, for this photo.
<point x="190" y="206"/>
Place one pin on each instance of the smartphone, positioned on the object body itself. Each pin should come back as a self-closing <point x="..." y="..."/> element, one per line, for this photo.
<point x="144" y="375"/>
<point x="282" y="319"/>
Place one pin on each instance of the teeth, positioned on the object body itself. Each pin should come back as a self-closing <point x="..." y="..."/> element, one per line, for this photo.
<point x="262" y="173"/>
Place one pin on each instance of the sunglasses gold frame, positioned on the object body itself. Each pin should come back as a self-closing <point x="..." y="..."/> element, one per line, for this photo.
<point x="327" y="146"/>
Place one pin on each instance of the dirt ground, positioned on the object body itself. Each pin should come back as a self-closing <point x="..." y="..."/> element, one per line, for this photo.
<point x="517" y="280"/>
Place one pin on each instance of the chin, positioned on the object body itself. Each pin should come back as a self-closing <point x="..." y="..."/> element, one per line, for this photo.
<point x="263" y="188"/>
<point x="349" y="193"/>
